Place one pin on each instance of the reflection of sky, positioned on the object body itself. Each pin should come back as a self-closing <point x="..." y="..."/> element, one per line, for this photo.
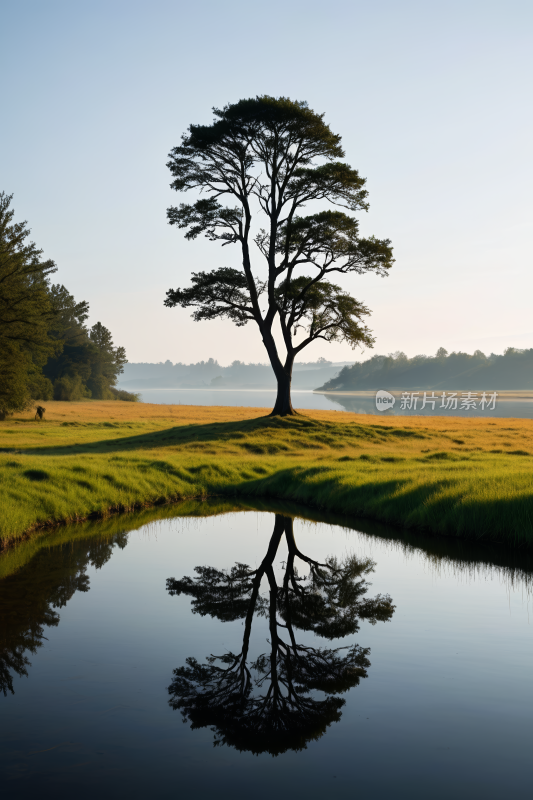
<point x="363" y="404"/>
<point x="447" y="699"/>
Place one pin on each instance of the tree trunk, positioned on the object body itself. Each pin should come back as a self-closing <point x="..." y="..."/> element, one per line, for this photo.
<point x="283" y="372"/>
<point x="283" y="406"/>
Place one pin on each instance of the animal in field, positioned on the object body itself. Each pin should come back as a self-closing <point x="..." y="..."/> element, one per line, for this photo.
<point x="40" y="412"/>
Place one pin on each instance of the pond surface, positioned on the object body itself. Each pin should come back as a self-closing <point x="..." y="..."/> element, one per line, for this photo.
<point x="417" y="686"/>
<point x="356" y="402"/>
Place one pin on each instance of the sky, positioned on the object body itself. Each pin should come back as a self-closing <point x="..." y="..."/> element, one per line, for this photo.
<point x="433" y="103"/>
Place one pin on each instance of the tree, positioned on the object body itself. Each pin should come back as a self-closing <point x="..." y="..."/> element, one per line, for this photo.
<point x="14" y="368"/>
<point x="283" y="712"/>
<point x="45" y="347"/>
<point x="107" y="362"/>
<point x="273" y="157"/>
<point x="70" y="368"/>
<point x="25" y="311"/>
<point x="87" y="363"/>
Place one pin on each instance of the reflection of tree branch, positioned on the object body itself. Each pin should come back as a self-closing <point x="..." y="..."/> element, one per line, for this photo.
<point x="330" y="601"/>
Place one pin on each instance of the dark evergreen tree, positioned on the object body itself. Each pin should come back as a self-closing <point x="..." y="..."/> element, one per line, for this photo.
<point x="107" y="362"/>
<point x="25" y="312"/>
<point x="70" y="369"/>
<point x="88" y="364"/>
<point x="46" y="348"/>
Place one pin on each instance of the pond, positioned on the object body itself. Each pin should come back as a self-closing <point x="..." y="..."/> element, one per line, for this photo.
<point x="213" y="650"/>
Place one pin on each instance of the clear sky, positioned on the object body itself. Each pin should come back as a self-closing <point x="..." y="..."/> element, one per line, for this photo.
<point x="433" y="101"/>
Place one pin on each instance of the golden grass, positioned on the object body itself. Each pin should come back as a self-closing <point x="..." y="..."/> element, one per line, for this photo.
<point x="452" y="475"/>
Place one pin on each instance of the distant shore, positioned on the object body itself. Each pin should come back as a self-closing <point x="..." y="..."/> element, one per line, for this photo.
<point x="507" y="394"/>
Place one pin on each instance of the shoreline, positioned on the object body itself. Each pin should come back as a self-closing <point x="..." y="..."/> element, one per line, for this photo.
<point x="16" y="554"/>
<point x="511" y="394"/>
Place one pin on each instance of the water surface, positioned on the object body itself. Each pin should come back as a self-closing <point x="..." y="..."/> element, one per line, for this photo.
<point x="113" y="646"/>
<point x="356" y="402"/>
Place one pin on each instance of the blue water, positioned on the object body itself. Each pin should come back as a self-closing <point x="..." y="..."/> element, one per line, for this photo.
<point x="445" y="709"/>
<point x="363" y="403"/>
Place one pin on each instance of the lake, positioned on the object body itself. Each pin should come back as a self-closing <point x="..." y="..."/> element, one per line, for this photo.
<point x="356" y="402"/>
<point x="205" y="654"/>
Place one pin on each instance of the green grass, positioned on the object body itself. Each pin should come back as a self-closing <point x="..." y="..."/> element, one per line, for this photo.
<point x="462" y="478"/>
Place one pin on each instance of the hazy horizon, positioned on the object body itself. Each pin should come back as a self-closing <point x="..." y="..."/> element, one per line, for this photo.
<point x="360" y="357"/>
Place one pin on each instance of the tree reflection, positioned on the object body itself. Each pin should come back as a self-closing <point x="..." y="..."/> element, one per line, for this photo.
<point x="30" y="597"/>
<point x="272" y="704"/>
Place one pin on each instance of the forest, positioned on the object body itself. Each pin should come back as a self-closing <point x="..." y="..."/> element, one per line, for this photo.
<point x="47" y="349"/>
<point x="476" y="372"/>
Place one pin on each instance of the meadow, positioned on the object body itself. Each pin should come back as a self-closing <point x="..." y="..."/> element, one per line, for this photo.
<point x="453" y="476"/>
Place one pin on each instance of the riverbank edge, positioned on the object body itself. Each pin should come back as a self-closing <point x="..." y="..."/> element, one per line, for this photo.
<point x="459" y="550"/>
<point x="503" y="395"/>
<point x="235" y="494"/>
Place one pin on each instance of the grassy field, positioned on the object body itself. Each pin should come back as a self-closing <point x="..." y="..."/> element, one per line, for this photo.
<point x="461" y="477"/>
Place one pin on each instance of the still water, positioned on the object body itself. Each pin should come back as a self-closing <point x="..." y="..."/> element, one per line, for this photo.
<point x="358" y="403"/>
<point x="259" y="653"/>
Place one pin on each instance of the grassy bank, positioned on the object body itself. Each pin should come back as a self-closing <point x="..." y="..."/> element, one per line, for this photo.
<point x="458" y="553"/>
<point x="455" y="476"/>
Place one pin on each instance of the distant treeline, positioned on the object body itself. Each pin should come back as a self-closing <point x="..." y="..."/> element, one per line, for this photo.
<point x="210" y="374"/>
<point x="513" y="370"/>
<point x="46" y="349"/>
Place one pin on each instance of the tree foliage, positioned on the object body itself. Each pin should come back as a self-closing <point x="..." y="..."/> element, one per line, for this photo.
<point x="272" y="157"/>
<point x="25" y="306"/>
<point x="107" y="362"/>
<point x="88" y="363"/>
<point x="46" y="348"/>
<point x="25" y="310"/>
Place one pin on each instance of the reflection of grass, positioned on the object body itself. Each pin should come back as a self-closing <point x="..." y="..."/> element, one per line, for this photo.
<point x="457" y="476"/>
<point x="14" y="558"/>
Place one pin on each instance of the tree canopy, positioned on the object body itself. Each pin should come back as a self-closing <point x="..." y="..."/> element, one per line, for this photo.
<point x="270" y="158"/>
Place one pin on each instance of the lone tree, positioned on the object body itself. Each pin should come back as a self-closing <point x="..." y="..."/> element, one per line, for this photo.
<point x="271" y="157"/>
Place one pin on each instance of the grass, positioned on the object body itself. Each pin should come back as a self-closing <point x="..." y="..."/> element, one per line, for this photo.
<point x="456" y="476"/>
